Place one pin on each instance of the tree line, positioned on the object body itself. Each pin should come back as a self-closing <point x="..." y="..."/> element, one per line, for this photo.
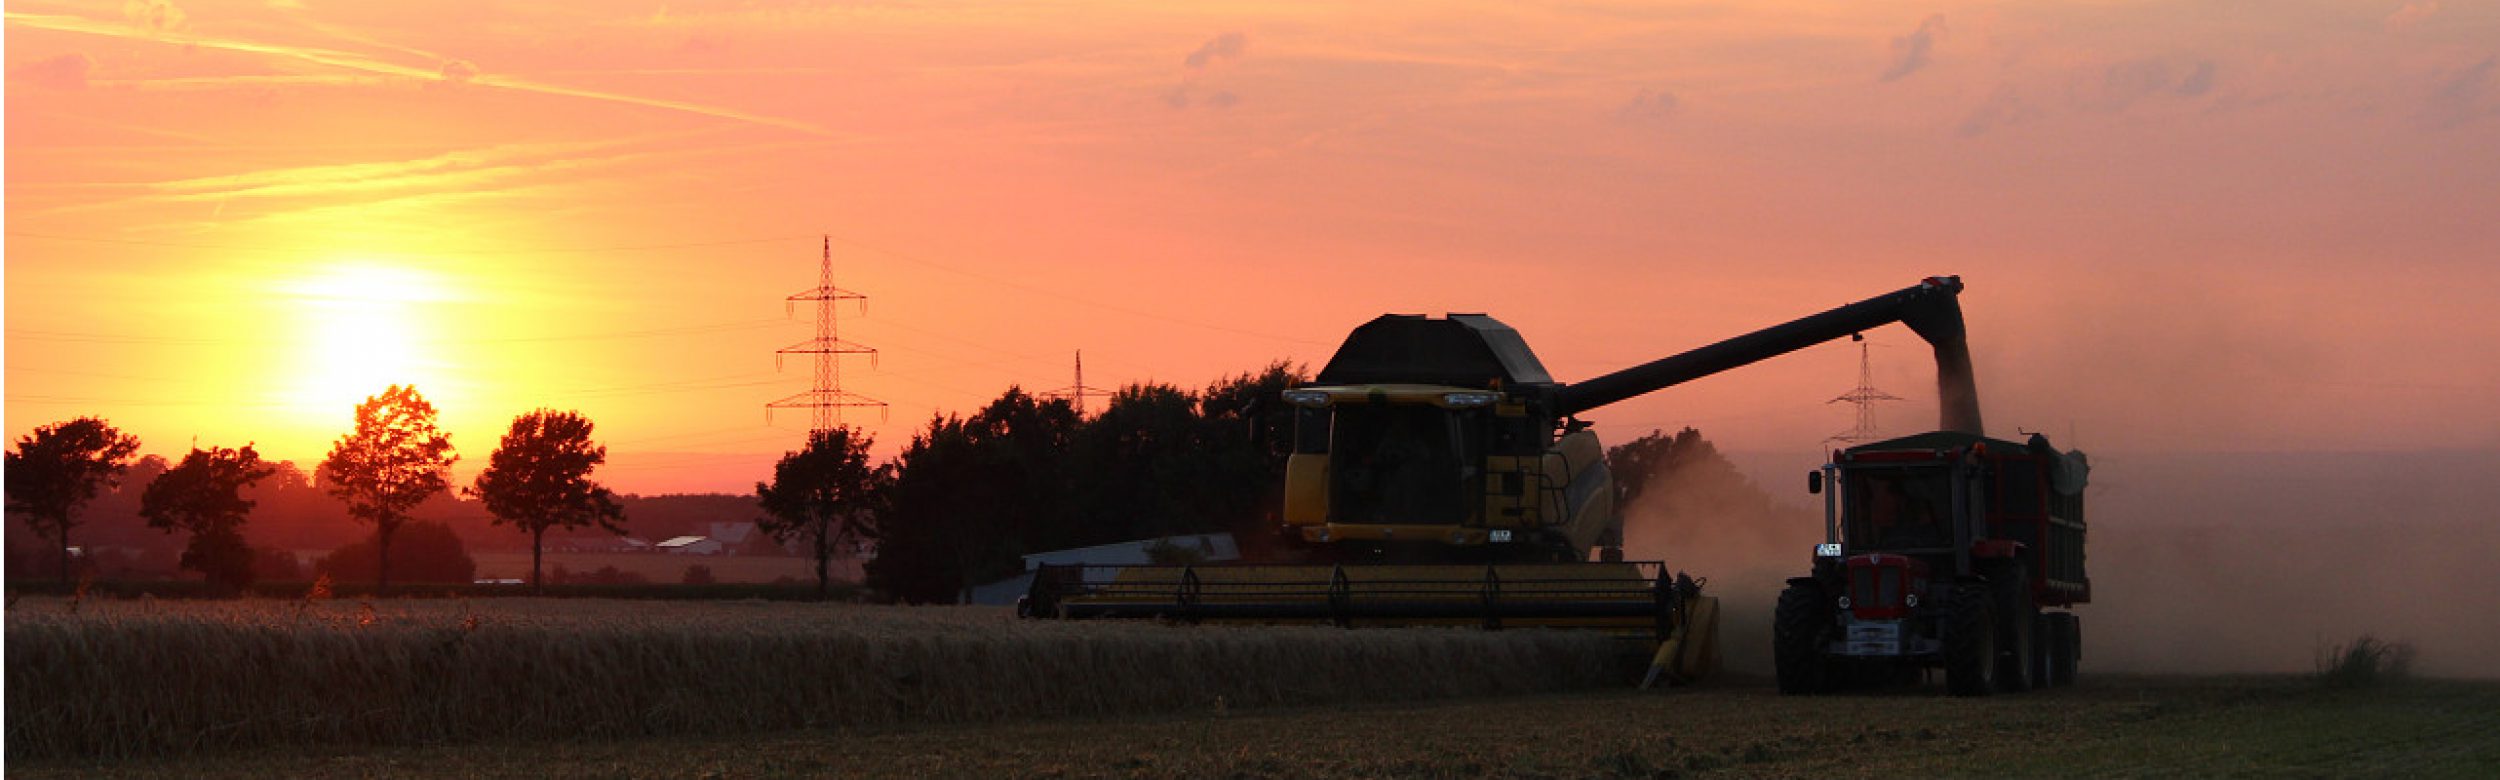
<point x="970" y="494"/>
<point x="396" y="458"/>
<point x="964" y="499"/>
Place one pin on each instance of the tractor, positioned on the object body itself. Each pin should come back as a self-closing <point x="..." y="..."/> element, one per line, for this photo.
<point x="1944" y="550"/>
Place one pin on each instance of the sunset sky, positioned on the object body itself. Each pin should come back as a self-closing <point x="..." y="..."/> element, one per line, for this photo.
<point x="2185" y="226"/>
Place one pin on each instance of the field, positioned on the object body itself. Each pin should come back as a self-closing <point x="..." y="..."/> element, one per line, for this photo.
<point x="605" y="689"/>
<point x="664" y="568"/>
<point x="2123" y="727"/>
<point x="143" y="678"/>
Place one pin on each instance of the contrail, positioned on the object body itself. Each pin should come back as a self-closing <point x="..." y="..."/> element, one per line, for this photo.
<point x="339" y="59"/>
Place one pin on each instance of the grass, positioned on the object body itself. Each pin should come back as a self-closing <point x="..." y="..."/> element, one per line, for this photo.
<point x="150" y="678"/>
<point x="2364" y="662"/>
<point x="2123" y="727"/>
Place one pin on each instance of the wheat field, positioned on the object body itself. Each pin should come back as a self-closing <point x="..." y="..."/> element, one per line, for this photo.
<point x="119" y="679"/>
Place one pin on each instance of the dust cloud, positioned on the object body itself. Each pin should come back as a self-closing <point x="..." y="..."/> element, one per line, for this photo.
<point x="1704" y="517"/>
<point x="2201" y="563"/>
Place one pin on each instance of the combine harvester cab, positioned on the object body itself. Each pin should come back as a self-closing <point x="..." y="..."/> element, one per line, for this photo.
<point x="1439" y="476"/>
<point x="1941" y="550"/>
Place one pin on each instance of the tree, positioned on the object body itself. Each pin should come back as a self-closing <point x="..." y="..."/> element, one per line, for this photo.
<point x="426" y="552"/>
<point x="203" y="495"/>
<point x="971" y="494"/>
<point x="59" y="468"/>
<point x="395" y="459"/>
<point x="1250" y="434"/>
<point x="1149" y="465"/>
<point x="540" y="479"/>
<point x="823" y="494"/>
<point x="1657" y="456"/>
<point x="699" y="574"/>
<point x="941" y="522"/>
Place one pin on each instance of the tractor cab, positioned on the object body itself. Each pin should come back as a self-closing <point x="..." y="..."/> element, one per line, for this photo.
<point x="1957" y="501"/>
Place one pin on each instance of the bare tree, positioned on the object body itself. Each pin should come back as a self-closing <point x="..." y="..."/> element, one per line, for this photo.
<point x="59" y="468"/>
<point x="395" y="459"/>
<point x="540" y="479"/>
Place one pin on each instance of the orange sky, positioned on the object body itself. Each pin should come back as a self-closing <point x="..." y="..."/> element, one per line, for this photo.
<point x="2184" y="225"/>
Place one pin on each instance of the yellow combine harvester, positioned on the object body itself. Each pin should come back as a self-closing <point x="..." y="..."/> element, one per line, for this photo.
<point x="1439" y="476"/>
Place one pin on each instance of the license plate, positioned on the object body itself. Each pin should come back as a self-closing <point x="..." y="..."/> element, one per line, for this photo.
<point x="1874" y="639"/>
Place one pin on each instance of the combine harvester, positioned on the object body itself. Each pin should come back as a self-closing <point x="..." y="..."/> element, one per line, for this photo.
<point x="1439" y="476"/>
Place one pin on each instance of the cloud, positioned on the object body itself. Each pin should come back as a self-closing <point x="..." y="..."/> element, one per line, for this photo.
<point x="459" y="70"/>
<point x="154" y="15"/>
<point x="1221" y="47"/>
<point x="2459" y="99"/>
<point x="66" y="71"/>
<point x="2003" y="107"/>
<point x="1651" y="105"/>
<point x="2198" y="81"/>
<point x="2411" y="14"/>
<point x="2124" y="83"/>
<point x="1910" y="52"/>
<point x="1228" y="46"/>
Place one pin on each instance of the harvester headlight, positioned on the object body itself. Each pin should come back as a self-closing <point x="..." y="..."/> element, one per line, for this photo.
<point x="1827" y="550"/>
<point x="1310" y="398"/>
<point x="1499" y="535"/>
<point x="1911" y="599"/>
<point x="1844" y="602"/>
<point x="1469" y="400"/>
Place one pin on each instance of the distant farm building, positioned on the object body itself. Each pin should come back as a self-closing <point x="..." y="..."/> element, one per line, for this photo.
<point x="733" y="537"/>
<point x="691" y="545"/>
<point x="1202" y="548"/>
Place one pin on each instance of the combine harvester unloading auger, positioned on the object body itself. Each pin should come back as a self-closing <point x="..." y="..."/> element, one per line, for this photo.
<point x="1439" y="476"/>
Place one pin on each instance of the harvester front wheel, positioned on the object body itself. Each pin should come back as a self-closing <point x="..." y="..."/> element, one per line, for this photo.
<point x="1800" y="630"/>
<point x="1970" y="647"/>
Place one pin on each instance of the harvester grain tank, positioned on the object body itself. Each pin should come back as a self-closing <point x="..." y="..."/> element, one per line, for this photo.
<point x="1944" y="549"/>
<point x="1439" y="474"/>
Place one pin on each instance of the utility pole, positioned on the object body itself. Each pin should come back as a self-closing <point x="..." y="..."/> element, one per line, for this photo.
<point x="1864" y="396"/>
<point x="1077" y="392"/>
<point x="826" y="399"/>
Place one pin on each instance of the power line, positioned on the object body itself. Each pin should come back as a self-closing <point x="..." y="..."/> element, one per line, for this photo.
<point x="124" y="338"/>
<point x="293" y="250"/>
<point x="725" y="242"/>
<point x="1074" y="298"/>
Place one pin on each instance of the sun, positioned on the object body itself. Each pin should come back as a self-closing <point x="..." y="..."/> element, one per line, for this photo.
<point x="362" y="326"/>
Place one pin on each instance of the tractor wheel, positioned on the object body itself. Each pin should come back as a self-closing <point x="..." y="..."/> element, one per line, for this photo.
<point x="2065" y="645"/>
<point x="2043" y="649"/>
<point x="1970" y="642"/>
<point x="1801" y="629"/>
<point x="2018" y="628"/>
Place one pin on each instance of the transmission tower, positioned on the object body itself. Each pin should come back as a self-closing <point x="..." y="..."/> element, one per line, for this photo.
<point x="826" y="399"/>
<point x="1864" y="395"/>
<point x="1077" y="392"/>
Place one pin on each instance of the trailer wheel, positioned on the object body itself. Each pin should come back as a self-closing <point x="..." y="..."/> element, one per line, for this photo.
<point x="2019" y="658"/>
<point x="1970" y="646"/>
<point x="2065" y="647"/>
<point x="1800" y="630"/>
